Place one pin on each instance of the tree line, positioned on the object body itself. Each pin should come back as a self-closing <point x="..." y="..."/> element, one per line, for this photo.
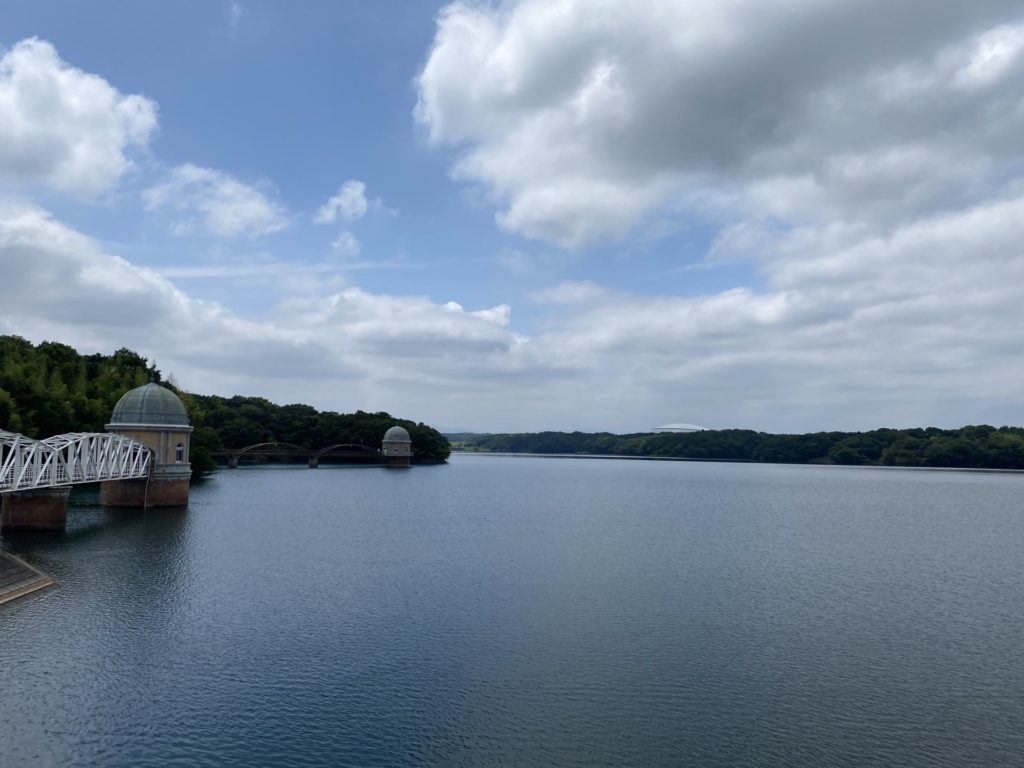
<point x="49" y="389"/>
<point x="968" y="447"/>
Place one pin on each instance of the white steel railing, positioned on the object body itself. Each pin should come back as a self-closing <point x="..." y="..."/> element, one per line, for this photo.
<point x="78" y="457"/>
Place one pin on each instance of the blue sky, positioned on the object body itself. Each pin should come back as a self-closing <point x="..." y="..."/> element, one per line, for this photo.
<point x="570" y="214"/>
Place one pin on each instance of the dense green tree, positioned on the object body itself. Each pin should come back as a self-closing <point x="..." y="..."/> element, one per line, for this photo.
<point x="945" y="451"/>
<point x="862" y="448"/>
<point x="6" y="411"/>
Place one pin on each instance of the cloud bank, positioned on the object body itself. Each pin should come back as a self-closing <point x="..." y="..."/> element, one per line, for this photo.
<point x="583" y="118"/>
<point x="893" y="331"/>
<point x="349" y="349"/>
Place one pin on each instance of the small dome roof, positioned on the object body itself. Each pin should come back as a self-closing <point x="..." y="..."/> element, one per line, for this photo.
<point x="150" y="404"/>
<point x="396" y="434"/>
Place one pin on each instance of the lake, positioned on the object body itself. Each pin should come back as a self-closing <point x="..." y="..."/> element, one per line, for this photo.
<point x="529" y="611"/>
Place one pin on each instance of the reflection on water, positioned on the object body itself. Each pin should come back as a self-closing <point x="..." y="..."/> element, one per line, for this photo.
<point x="528" y="612"/>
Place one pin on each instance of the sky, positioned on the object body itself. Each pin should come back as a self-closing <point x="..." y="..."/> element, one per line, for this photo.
<point x="535" y="214"/>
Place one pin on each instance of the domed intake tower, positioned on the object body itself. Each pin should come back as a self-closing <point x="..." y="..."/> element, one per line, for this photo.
<point x="155" y="416"/>
<point x="396" y="447"/>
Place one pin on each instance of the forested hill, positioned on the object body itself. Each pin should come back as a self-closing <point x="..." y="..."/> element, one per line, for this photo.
<point x="49" y="388"/>
<point x="977" y="446"/>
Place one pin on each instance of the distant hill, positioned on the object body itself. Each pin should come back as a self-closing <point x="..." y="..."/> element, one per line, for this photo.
<point x="465" y="437"/>
<point x="982" y="447"/>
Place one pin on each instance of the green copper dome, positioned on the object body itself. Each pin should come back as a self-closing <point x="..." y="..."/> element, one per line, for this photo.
<point x="396" y="435"/>
<point x="150" y="404"/>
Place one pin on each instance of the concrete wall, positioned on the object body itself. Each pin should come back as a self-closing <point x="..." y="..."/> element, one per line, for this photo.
<point x="168" y="484"/>
<point x="134" y="493"/>
<point x="163" y="442"/>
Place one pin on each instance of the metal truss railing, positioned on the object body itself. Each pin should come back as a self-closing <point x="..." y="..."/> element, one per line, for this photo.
<point x="79" y="457"/>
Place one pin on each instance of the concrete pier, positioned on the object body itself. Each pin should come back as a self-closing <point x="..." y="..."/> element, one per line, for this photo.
<point x="155" y="492"/>
<point x="45" y="509"/>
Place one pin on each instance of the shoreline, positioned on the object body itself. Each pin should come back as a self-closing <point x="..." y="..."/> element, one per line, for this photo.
<point x="606" y="456"/>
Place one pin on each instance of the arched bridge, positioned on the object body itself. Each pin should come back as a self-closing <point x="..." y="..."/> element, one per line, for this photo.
<point x="277" y="448"/>
<point x="71" y="459"/>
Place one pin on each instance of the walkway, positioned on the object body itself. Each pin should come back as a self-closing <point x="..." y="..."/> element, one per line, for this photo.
<point x="18" y="578"/>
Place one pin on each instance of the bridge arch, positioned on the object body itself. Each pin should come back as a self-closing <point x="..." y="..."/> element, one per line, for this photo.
<point x="270" y="444"/>
<point x="313" y="456"/>
<point x="356" y="446"/>
<point x="267" y="448"/>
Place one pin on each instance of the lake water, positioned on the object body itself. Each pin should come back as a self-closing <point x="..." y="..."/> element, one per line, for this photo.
<point x="528" y="611"/>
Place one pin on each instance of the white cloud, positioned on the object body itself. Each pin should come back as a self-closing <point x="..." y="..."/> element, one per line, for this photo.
<point x="346" y="245"/>
<point x="406" y="337"/>
<point x="569" y="292"/>
<point x="349" y="203"/>
<point x="59" y="284"/>
<point x="995" y="53"/>
<point x="235" y="11"/>
<point x="582" y="118"/>
<point x="214" y="202"/>
<point x="64" y="128"/>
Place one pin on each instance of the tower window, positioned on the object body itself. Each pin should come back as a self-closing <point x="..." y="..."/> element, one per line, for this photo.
<point x="179" y="454"/>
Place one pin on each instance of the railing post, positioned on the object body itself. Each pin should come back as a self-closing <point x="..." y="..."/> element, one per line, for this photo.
<point x="19" y="458"/>
<point x="37" y="464"/>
